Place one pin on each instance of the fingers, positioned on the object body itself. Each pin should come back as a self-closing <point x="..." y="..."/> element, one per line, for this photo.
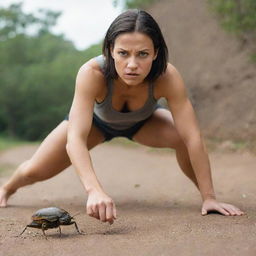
<point x="3" y="197"/>
<point x="214" y="206"/>
<point x="93" y="212"/>
<point x="106" y="212"/>
<point x="232" y="210"/>
<point x="204" y="212"/>
<point x="222" y="211"/>
<point x="102" y="212"/>
<point x="223" y="208"/>
<point x="111" y="212"/>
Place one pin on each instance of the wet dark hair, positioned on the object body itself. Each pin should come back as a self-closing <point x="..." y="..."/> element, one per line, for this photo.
<point x="135" y="20"/>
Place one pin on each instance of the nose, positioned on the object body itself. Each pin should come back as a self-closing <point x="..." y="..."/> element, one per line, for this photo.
<point x="132" y="63"/>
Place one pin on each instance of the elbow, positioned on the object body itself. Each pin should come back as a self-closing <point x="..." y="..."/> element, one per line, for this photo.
<point x="196" y="142"/>
<point x="75" y="141"/>
<point x="68" y="148"/>
<point x="68" y="143"/>
<point x="193" y="140"/>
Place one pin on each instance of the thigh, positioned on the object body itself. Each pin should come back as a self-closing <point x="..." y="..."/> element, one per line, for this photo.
<point x="158" y="131"/>
<point x="51" y="157"/>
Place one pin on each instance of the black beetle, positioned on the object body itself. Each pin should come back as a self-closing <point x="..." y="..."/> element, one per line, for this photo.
<point x="51" y="217"/>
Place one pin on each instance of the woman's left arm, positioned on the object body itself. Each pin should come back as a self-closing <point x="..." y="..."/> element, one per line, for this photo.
<point x="187" y="126"/>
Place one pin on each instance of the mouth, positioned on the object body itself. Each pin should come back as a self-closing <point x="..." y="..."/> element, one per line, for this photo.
<point x="131" y="74"/>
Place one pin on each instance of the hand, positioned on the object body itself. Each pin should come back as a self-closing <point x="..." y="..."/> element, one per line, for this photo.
<point x="223" y="208"/>
<point x="101" y="207"/>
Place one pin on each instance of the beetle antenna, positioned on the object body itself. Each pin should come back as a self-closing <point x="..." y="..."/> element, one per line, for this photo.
<point x="75" y="214"/>
<point x="22" y="231"/>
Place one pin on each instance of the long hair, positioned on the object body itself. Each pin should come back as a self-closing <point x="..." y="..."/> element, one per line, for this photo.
<point x="135" y="20"/>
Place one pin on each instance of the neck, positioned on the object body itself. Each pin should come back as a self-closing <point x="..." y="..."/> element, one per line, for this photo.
<point x="120" y="83"/>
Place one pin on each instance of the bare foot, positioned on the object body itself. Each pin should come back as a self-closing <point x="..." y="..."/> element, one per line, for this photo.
<point x="4" y="195"/>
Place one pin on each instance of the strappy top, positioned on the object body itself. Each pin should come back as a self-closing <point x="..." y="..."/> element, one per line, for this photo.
<point x="122" y="120"/>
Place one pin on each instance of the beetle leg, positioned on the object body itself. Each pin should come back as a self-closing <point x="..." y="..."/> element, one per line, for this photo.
<point x="43" y="229"/>
<point x="60" y="230"/>
<point x="79" y="232"/>
<point x="44" y="234"/>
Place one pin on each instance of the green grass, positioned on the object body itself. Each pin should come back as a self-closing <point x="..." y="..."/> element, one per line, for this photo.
<point x="10" y="142"/>
<point x="5" y="170"/>
<point x="253" y="58"/>
<point x="215" y="144"/>
<point x="161" y="150"/>
<point x="130" y="4"/>
<point x="131" y="144"/>
<point x="124" y="142"/>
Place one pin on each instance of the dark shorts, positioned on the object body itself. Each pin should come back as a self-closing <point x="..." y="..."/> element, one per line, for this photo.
<point x="110" y="133"/>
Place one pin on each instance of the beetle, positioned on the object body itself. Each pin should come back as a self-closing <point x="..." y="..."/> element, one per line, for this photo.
<point x="51" y="217"/>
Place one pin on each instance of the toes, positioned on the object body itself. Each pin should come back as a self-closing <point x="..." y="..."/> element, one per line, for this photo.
<point x="3" y="203"/>
<point x="3" y="198"/>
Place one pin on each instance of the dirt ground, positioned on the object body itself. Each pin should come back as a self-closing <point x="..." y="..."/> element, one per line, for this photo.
<point x="158" y="207"/>
<point x="215" y="66"/>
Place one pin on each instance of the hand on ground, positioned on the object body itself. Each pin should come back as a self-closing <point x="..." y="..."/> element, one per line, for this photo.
<point x="210" y="205"/>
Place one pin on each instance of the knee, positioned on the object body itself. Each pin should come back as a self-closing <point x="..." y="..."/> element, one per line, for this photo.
<point x="67" y="148"/>
<point x="28" y="171"/>
<point x="177" y="142"/>
<point x="172" y="139"/>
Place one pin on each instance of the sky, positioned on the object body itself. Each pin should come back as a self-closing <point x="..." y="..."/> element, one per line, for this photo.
<point x="82" y="21"/>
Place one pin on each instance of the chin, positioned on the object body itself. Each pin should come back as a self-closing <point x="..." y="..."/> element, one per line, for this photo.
<point x="132" y="82"/>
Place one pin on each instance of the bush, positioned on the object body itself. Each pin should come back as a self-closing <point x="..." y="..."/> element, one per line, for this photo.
<point x="237" y="16"/>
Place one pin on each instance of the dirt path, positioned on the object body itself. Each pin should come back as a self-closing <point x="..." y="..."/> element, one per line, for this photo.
<point x="158" y="208"/>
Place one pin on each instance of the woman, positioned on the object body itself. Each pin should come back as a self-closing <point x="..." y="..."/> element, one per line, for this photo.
<point x="116" y="95"/>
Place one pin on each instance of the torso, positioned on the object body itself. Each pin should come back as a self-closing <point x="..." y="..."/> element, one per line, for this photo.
<point x="131" y="99"/>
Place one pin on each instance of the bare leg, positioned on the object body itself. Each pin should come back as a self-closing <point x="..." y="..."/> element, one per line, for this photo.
<point x="160" y="132"/>
<point x="185" y="164"/>
<point x="50" y="159"/>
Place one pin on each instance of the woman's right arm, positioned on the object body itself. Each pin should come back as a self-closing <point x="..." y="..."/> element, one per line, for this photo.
<point x="89" y="82"/>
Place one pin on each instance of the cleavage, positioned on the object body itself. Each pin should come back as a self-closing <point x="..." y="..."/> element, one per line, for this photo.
<point x="125" y="104"/>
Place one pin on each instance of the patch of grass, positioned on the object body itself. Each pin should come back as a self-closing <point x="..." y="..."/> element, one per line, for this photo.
<point x="130" y="4"/>
<point x="5" y="169"/>
<point x="238" y="145"/>
<point x="215" y="144"/>
<point x="160" y="150"/>
<point x="124" y="142"/>
<point x="253" y="58"/>
<point x="10" y="142"/>
<point x="131" y="144"/>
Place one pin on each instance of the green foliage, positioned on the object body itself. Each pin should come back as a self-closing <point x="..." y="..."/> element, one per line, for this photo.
<point x="130" y="4"/>
<point x="237" y="16"/>
<point x="10" y="142"/>
<point x="253" y="57"/>
<point x="14" y="21"/>
<point x="37" y="73"/>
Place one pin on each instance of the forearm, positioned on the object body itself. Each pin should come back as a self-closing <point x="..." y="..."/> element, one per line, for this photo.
<point x="81" y="160"/>
<point x="201" y="166"/>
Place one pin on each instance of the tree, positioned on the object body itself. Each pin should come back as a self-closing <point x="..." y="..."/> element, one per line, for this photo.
<point x="37" y="73"/>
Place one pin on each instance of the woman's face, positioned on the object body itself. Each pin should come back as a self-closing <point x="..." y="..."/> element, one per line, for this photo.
<point x="133" y="54"/>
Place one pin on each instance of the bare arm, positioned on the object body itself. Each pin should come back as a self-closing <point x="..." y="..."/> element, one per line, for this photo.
<point x="80" y="121"/>
<point x="187" y="126"/>
<point x="186" y="123"/>
<point x="88" y="85"/>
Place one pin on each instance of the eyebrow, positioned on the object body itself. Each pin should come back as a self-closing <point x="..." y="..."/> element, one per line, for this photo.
<point x="139" y="50"/>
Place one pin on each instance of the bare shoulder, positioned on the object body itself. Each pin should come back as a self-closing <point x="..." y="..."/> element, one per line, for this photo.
<point x="170" y="83"/>
<point x="90" y="77"/>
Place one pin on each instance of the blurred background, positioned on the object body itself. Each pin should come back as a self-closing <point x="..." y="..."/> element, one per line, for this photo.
<point x="43" y="44"/>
